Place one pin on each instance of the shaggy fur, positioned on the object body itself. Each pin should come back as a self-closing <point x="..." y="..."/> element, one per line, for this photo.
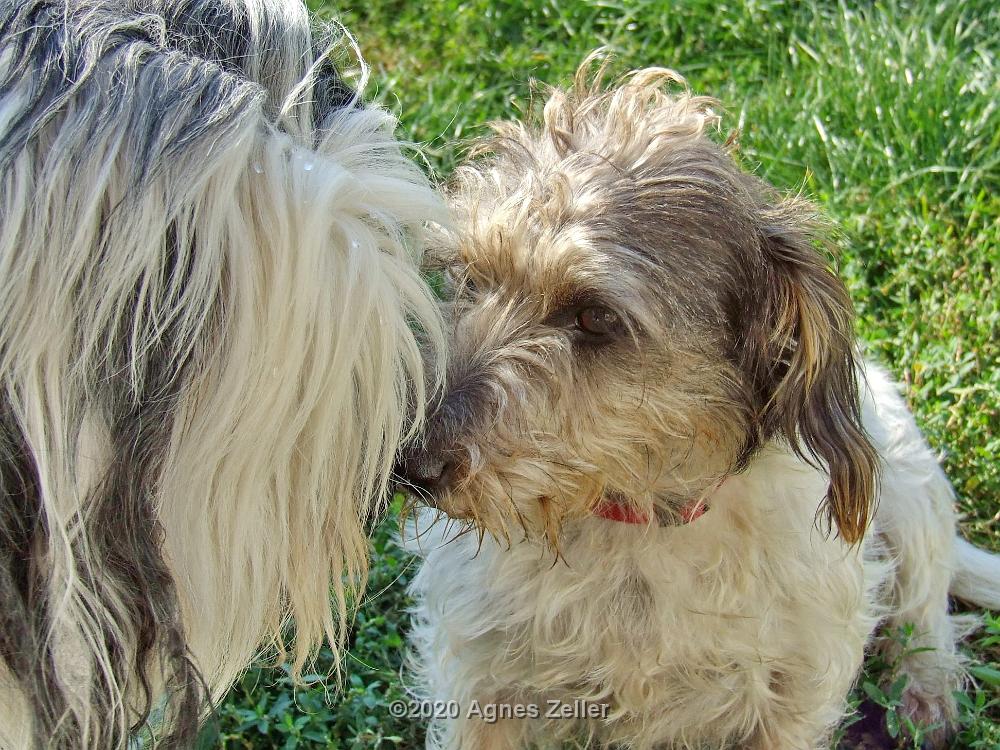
<point x="208" y="293"/>
<point x="637" y="321"/>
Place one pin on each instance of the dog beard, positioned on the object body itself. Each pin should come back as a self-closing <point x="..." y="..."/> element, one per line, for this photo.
<point x="209" y="353"/>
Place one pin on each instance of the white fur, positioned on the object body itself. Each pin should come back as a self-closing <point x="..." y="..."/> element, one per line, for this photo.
<point x="279" y="452"/>
<point x="747" y="626"/>
<point x="297" y="315"/>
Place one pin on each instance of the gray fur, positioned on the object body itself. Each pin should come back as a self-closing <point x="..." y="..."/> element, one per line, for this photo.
<point x="164" y="87"/>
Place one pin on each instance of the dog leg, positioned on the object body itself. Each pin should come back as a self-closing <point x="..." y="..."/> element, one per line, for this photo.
<point x="505" y="734"/>
<point x="482" y="723"/>
<point x="921" y="635"/>
<point x="767" y="741"/>
<point x="792" y="734"/>
<point x="477" y="733"/>
<point x="916" y="522"/>
<point x="806" y="728"/>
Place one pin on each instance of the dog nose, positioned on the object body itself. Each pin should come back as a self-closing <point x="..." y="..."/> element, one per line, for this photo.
<point x="424" y="471"/>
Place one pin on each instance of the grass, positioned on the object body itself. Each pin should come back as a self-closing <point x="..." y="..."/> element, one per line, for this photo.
<point x="886" y="113"/>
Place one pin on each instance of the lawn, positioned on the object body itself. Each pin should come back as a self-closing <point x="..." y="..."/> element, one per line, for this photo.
<point x="885" y="113"/>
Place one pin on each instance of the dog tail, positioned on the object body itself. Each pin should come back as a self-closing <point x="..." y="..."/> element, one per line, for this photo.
<point x="977" y="576"/>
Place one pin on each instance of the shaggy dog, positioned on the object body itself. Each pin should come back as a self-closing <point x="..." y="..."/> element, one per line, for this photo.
<point x="208" y="307"/>
<point x="653" y="375"/>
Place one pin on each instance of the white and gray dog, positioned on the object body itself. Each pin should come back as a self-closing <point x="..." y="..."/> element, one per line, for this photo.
<point x="653" y="375"/>
<point x="209" y="306"/>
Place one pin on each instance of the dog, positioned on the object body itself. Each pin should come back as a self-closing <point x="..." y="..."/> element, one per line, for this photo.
<point x="212" y="337"/>
<point x="691" y="502"/>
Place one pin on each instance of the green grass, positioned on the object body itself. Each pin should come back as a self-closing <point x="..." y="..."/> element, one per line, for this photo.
<point x="887" y="115"/>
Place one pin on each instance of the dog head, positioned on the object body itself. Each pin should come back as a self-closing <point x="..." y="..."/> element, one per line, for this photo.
<point x="633" y="317"/>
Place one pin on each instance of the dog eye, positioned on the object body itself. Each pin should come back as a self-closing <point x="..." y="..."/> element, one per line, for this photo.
<point x="598" y="321"/>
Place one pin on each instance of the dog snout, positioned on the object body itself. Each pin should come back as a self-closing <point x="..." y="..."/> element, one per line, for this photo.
<point x="432" y="464"/>
<point x="425" y="471"/>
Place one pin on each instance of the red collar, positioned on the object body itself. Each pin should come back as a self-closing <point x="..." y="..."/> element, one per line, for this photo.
<point x="613" y="510"/>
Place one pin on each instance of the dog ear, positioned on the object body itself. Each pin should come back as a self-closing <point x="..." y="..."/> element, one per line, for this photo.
<point x="804" y="364"/>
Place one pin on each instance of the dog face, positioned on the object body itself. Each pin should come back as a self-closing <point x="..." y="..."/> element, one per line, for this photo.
<point x="633" y="317"/>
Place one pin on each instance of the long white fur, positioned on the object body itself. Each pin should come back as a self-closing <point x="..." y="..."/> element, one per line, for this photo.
<point x="302" y="248"/>
<point x="745" y="627"/>
<point x="976" y="574"/>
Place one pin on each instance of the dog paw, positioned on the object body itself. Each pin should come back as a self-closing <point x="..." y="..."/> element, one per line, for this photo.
<point x="931" y="715"/>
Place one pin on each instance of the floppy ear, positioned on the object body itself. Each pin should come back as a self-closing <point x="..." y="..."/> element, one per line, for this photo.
<point x="804" y="364"/>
